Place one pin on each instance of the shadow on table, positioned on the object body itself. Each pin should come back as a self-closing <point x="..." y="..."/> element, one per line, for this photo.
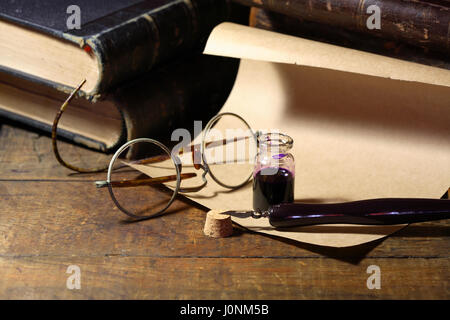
<point x="351" y="255"/>
<point x="354" y="254"/>
<point x="421" y="230"/>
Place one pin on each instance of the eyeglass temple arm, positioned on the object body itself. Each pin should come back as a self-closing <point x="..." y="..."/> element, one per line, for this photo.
<point x="143" y="182"/>
<point x="54" y="133"/>
<point x="194" y="148"/>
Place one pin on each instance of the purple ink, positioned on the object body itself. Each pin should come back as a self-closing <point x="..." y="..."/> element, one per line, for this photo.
<point x="272" y="186"/>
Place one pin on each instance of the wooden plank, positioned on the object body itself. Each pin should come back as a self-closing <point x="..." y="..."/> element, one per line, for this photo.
<point x="27" y="154"/>
<point x="60" y="218"/>
<point x="118" y="277"/>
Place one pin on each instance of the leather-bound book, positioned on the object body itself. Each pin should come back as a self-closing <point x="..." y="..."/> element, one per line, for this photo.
<point x="423" y="23"/>
<point x="61" y="42"/>
<point x="143" y="62"/>
<point x="273" y="21"/>
<point x="193" y="87"/>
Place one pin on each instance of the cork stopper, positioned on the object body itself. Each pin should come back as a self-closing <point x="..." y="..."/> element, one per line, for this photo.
<point x="218" y="225"/>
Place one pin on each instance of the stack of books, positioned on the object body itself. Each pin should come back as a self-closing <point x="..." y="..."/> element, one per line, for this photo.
<point x="142" y="60"/>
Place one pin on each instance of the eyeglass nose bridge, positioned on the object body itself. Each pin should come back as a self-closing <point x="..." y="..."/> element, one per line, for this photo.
<point x="200" y="187"/>
<point x="198" y="165"/>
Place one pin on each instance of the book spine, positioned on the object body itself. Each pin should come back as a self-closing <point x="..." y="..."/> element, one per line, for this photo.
<point x="136" y="46"/>
<point x="421" y="23"/>
<point x="273" y="21"/>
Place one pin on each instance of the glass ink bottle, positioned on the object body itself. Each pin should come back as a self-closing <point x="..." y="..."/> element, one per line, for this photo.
<point x="274" y="172"/>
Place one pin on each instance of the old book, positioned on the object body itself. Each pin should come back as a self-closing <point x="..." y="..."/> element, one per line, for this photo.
<point x="417" y="22"/>
<point x="190" y="88"/>
<point x="273" y="21"/>
<point x="116" y="40"/>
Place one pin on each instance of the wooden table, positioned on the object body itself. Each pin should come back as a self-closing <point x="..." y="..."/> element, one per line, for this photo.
<point x="51" y="219"/>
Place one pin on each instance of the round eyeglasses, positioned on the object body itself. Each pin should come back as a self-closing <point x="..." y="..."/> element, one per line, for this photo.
<point x="144" y="176"/>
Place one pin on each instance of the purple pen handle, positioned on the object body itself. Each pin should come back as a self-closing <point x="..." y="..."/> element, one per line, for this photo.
<point x="367" y="212"/>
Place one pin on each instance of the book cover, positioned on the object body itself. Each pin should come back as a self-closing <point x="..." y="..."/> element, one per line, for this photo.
<point x="273" y="21"/>
<point x="420" y="23"/>
<point x="115" y="40"/>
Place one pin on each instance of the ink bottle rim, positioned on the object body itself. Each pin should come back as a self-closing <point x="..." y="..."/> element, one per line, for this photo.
<point x="275" y="140"/>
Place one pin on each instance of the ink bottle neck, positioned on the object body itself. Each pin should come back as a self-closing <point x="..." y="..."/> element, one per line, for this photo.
<point x="275" y="143"/>
<point x="274" y="152"/>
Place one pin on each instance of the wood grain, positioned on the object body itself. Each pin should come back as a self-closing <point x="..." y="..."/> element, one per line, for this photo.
<point x="28" y="155"/>
<point x="124" y="277"/>
<point x="50" y="220"/>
